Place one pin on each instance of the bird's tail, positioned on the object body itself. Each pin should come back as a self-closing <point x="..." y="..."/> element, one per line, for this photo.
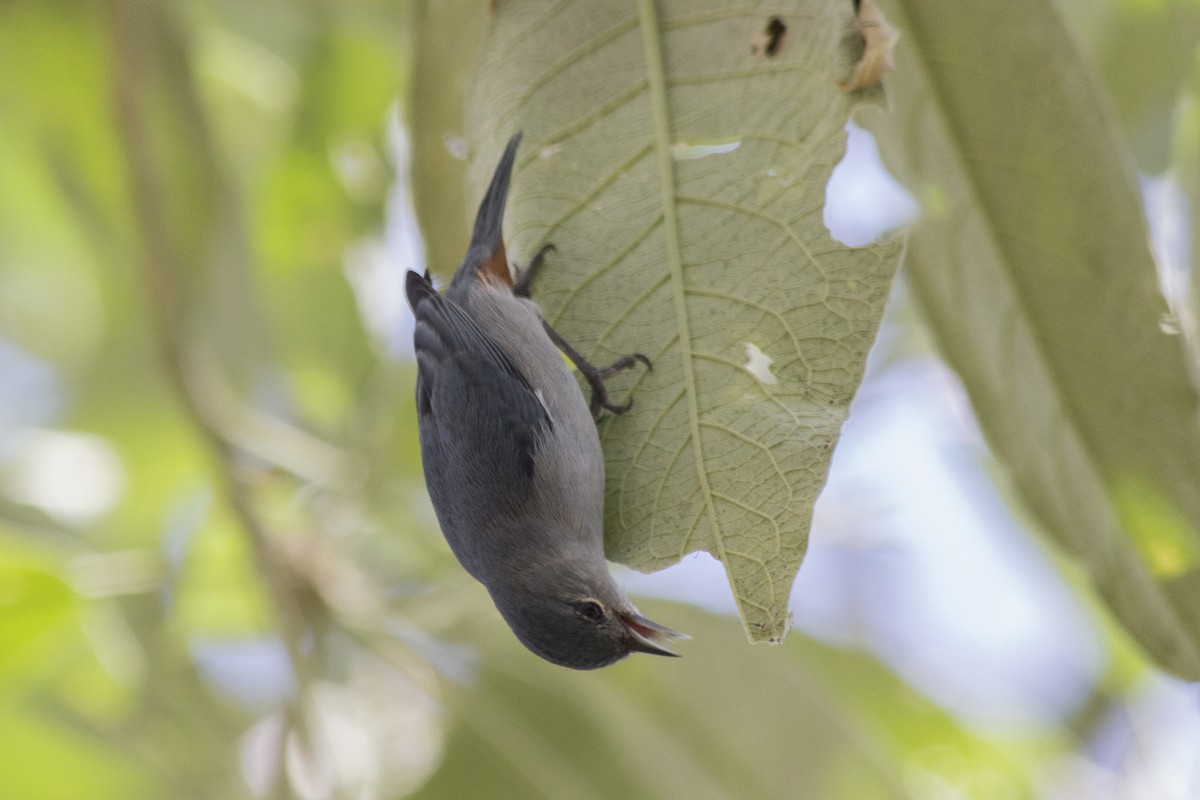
<point x="486" y="253"/>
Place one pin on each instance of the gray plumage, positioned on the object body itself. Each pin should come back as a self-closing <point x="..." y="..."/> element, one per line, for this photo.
<point x="512" y="458"/>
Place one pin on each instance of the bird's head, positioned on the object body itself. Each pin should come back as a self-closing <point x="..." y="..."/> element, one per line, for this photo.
<point x="573" y="615"/>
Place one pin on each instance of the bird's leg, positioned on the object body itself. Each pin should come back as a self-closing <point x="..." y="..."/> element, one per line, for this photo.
<point x="521" y="287"/>
<point x="597" y="376"/>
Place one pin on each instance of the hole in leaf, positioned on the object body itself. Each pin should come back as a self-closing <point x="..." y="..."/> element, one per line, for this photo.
<point x="770" y="41"/>
<point x="758" y="364"/>
<point x="863" y="202"/>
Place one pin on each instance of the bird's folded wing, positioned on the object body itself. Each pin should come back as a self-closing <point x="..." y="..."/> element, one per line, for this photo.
<point x="481" y="421"/>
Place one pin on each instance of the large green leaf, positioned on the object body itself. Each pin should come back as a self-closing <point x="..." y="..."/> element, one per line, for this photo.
<point x="1118" y="34"/>
<point x="46" y="761"/>
<point x="681" y="172"/>
<point x="1033" y="266"/>
<point x="32" y="603"/>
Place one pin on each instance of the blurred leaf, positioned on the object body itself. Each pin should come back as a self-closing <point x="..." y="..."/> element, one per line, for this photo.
<point x="323" y="191"/>
<point x="50" y="97"/>
<point x="684" y="194"/>
<point x="1185" y="163"/>
<point x="1033" y="268"/>
<point x="448" y="35"/>
<point x="161" y="457"/>
<point x="352" y="80"/>
<point x="300" y="227"/>
<point x="799" y="721"/>
<point x="219" y="593"/>
<point x="1146" y="53"/>
<point x="47" y="761"/>
<point x="50" y="88"/>
<point x="32" y="602"/>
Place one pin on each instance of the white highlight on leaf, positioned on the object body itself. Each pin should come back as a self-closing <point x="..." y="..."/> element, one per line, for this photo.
<point x="1167" y="212"/>
<point x="683" y="151"/>
<point x="256" y="71"/>
<point x="758" y="364"/>
<point x="74" y="477"/>
<point x="457" y="147"/>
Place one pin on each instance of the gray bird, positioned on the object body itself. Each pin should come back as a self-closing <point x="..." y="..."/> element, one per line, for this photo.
<point x="511" y="454"/>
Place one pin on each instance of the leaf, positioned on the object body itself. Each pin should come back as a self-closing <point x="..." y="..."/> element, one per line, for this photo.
<point x="1144" y="91"/>
<point x="32" y="602"/>
<point x="682" y="177"/>
<point x="1033" y="267"/>
<point x="219" y="595"/>
<point x="48" y="761"/>
<point x="444" y="30"/>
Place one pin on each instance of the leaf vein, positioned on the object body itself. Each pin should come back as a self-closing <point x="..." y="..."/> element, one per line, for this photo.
<point x="750" y="212"/>
<point x="586" y="49"/>
<point x="696" y="292"/>
<point x="604" y="268"/>
<point x="753" y="443"/>
<point x="579" y="205"/>
<point x="641" y="448"/>
<point x="733" y="501"/>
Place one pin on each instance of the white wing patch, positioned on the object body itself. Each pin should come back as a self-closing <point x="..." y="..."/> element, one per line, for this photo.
<point x="542" y="399"/>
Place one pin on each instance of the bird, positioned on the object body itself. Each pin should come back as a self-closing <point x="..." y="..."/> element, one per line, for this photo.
<point x="511" y="454"/>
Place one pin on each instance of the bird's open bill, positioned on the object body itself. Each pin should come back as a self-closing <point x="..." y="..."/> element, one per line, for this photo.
<point x="645" y="635"/>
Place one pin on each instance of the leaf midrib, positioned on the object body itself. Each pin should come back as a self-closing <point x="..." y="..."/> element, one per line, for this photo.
<point x="648" y="21"/>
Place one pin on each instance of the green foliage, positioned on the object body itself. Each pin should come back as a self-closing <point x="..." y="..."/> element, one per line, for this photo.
<point x="220" y="576"/>
<point x="800" y="710"/>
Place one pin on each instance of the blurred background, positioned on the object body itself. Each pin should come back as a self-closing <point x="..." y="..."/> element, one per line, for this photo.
<point x="221" y="577"/>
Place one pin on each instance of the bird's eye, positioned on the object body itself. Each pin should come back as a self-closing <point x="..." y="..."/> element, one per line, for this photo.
<point x="590" y="610"/>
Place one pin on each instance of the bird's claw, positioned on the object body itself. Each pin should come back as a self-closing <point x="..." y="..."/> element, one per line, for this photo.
<point x="596" y="378"/>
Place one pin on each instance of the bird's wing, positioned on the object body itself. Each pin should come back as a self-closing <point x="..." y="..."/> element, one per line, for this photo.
<point x="480" y="420"/>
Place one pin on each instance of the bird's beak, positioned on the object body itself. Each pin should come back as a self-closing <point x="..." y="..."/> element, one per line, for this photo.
<point x="645" y="635"/>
